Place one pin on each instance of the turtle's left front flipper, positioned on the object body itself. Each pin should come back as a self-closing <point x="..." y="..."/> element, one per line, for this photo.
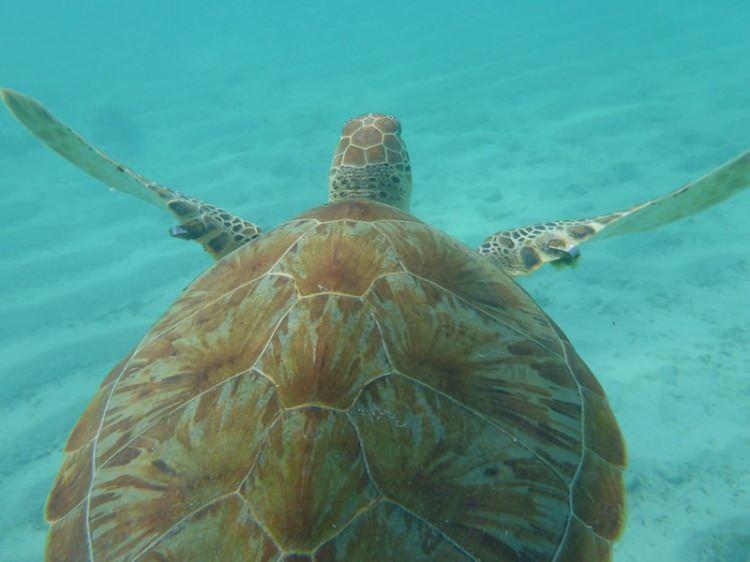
<point x="523" y="250"/>
<point x="218" y="231"/>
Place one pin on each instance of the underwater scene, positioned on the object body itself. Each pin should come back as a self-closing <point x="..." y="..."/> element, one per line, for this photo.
<point x="514" y="114"/>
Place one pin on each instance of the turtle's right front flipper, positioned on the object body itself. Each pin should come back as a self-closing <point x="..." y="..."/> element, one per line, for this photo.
<point x="521" y="251"/>
<point x="218" y="231"/>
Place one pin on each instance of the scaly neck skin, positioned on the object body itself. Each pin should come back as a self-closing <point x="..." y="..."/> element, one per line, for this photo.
<point x="371" y="162"/>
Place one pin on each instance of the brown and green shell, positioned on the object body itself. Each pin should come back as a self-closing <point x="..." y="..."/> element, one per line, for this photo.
<point x="353" y="386"/>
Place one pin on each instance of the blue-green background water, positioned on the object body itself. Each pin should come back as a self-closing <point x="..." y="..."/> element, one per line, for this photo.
<point x="514" y="112"/>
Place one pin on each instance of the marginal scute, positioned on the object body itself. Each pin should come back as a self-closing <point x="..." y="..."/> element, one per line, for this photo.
<point x="479" y="487"/>
<point x="310" y="479"/>
<point x="117" y="370"/>
<point x="222" y="531"/>
<point x="324" y="351"/>
<point x="342" y="257"/>
<point x="602" y="434"/>
<point x="71" y="484"/>
<point x="88" y="424"/>
<point x="181" y="463"/>
<point x="581" y="544"/>
<point x="599" y="496"/>
<point x="67" y="538"/>
<point x="583" y="374"/>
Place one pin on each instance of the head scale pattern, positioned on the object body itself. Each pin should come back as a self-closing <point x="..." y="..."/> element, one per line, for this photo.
<point x="371" y="162"/>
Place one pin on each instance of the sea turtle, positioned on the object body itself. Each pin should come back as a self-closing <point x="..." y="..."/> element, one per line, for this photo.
<point x="353" y="385"/>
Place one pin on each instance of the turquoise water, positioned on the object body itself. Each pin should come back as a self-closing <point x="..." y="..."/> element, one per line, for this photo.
<point x="513" y="113"/>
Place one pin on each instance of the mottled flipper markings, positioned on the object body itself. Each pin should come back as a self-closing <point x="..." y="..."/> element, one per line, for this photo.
<point x="521" y="251"/>
<point x="217" y="230"/>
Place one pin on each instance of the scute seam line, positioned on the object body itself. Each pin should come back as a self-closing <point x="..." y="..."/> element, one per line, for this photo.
<point x="384" y="497"/>
<point x="95" y="443"/>
<point x="261" y="449"/>
<point x="247" y="371"/>
<point x="365" y="462"/>
<point x="457" y="402"/>
<point x="357" y="514"/>
<point x="434" y="527"/>
<point x="593" y="531"/>
<point x="384" y="234"/>
<point x="367" y="383"/>
<point x="487" y="420"/>
<point x="571" y="485"/>
<point x="230" y="291"/>
<point x="455" y="295"/>
<point x="273" y="332"/>
<point x="344" y="219"/>
<point x="166" y="533"/>
<point x="492" y="316"/>
<point x="258" y="520"/>
<point x="176" y="407"/>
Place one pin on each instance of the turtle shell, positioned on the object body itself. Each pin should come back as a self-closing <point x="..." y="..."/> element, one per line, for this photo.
<point x="353" y="386"/>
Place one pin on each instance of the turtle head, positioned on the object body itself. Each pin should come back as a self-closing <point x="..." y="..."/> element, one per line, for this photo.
<point x="371" y="162"/>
